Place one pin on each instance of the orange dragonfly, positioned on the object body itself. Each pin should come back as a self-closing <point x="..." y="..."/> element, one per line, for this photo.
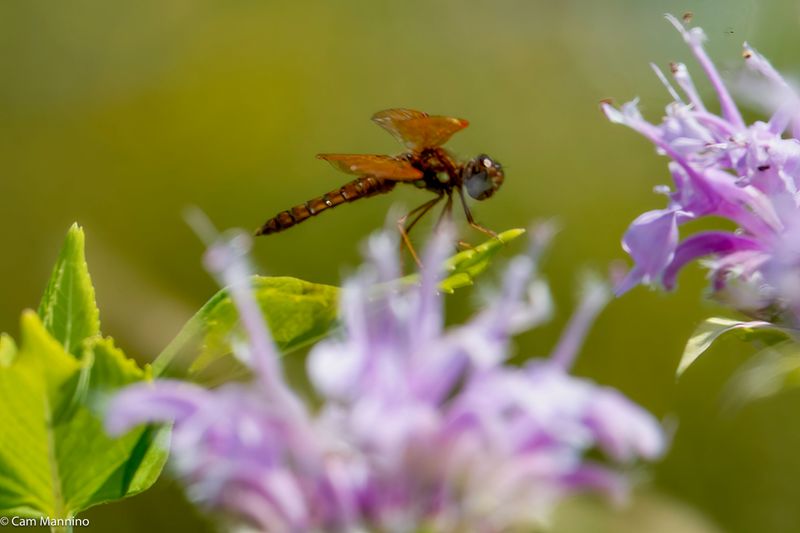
<point x="425" y="164"/>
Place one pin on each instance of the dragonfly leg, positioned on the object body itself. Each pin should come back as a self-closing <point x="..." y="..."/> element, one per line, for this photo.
<point x="447" y="211"/>
<point x="417" y="213"/>
<point x="470" y="220"/>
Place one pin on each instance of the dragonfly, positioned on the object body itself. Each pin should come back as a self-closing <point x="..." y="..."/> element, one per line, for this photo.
<point x="425" y="164"/>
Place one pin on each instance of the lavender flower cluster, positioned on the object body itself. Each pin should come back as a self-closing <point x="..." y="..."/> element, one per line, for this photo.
<point x="723" y="167"/>
<point x="420" y="428"/>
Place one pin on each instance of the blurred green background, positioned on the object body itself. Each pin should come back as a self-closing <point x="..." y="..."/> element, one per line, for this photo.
<point x="120" y="114"/>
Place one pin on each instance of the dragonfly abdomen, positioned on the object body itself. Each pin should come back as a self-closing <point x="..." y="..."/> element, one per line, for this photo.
<point x="362" y="187"/>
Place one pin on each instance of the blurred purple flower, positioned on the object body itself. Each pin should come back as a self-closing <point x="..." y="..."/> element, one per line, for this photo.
<point x="420" y="427"/>
<point x="723" y="167"/>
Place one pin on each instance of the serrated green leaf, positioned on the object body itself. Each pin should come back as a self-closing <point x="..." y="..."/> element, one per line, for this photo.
<point x="772" y="370"/>
<point x="298" y="312"/>
<point x="56" y="459"/>
<point x="68" y="309"/>
<point x="713" y="328"/>
<point x="146" y="449"/>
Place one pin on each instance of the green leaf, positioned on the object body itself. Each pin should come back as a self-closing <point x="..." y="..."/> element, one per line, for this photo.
<point x="8" y="350"/>
<point x="145" y="449"/>
<point x="713" y="328"/>
<point x="465" y="266"/>
<point x="68" y="309"/>
<point x="297" y="312"/>
<point x="469" y="264"/>
<point x="772" y="370"/>
<point x="56" y="458"/>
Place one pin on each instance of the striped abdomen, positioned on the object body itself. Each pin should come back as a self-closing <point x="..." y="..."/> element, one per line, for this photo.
<point x="349" y="192"/>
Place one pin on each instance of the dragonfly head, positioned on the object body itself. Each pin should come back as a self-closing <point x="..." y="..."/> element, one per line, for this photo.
<point x="482" y="176"/>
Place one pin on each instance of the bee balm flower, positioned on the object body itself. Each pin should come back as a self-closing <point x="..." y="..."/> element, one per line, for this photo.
<point x="419" y="427"/>
<point x="723" y="167"/>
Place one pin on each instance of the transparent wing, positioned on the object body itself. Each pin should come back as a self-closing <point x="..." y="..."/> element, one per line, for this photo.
<point x="417" y="129"/>
<point x="381" y="166"/>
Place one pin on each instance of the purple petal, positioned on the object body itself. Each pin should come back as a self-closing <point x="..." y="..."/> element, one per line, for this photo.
<point x="596" y="477"/>
<point x="761" y="64"/>
<point x="227" y="259"/>
<point x="746" y="205"/>
<point x="694" y="38"/>
<point x="665" y="82"/>
<point x="651" y="240"/>
<point x="594" y="298"/>
<point x="426" y="320"/>
<point x="681" y="74"/>
<point x="163" y="401"/>
<point x="381" y="253"/>
<point x="519" y="306"/>
<point x="702" y="244"/>
<point x="624" y="430"/>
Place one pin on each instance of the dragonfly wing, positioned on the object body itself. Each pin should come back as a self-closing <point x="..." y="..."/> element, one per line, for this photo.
<point x="417" y="129"/>
<point x="380" y="166"/>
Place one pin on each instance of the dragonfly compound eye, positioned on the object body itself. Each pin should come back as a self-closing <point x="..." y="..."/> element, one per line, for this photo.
<point x="482" y="177"/>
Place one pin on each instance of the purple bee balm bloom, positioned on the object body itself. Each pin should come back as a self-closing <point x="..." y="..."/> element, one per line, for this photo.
<point x="723" y="167"/>
<point x="420" y="427"/>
